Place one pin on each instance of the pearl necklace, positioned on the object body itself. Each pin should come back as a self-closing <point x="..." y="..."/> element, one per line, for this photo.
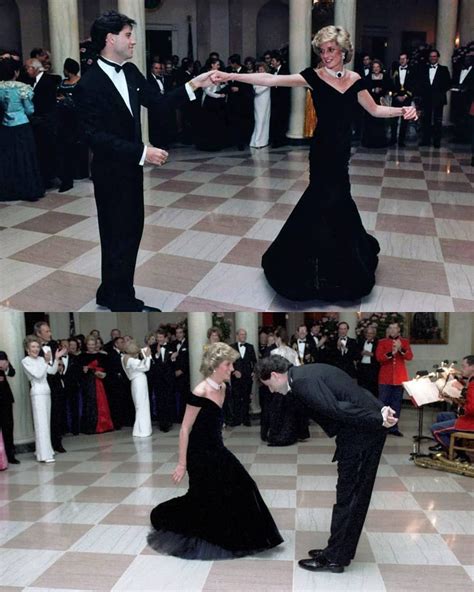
<point x="213" y="384"/>
<point x="338" y="74"/>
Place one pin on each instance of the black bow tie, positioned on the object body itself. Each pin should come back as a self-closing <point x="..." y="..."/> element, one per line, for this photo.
<point x="433" y="66"/>
<point x="403" y="67"/>
<point x="113" y="64"/>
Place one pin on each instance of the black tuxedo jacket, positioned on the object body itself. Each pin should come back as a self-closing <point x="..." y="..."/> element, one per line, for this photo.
<point x="435" y="94"/>
<point x="360" y="346"/>
<point x="345" y="362"/>
<point x="6" y="395"/>
<point x="246" y="364"/>
<point x="465" y="93"/>
<point x="114" y="367"/>
<point x="182" y="359"/>
<point x="309" y="350"/>
<point x="320" y="354"/>
<point x="341" y="407"/>
<point x="44" y="99"/>
<point x="162" y="372"/>
<point x="241" y="102"/>
<point x="280" y="95"/>
<point x="110" y="129"/>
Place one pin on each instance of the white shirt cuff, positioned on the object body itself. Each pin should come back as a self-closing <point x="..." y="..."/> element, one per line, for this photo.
<point x="191" y="93"/>
<point x="142" y="159"/>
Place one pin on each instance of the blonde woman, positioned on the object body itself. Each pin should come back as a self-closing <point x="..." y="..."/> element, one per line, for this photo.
<point x="136" y="362"/>
<point x="336" y="258"/>
<point x="222" y="515"/>
<point x="37" y="369"/>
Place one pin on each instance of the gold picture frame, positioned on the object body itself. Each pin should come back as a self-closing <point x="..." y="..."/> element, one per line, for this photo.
<point x="428" y="328"/>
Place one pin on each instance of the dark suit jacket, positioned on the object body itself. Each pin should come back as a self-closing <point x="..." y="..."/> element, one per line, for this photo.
<point x="280" y="95"/>
<point x="435" y="94"/>
<point x="44" y="98"/>
<point x="6" y="395"/>
<point x="162" y="372"/>
<point x="112" y="132"/>
<point x="373" y="360"/>
<point x="182" y="359"/>
<point x="246" y="364"/>
<point x="309" y="350"/>
<point x="341" y="407"/>
<point x="345" y="362"/>
<point x="465" y="95"/>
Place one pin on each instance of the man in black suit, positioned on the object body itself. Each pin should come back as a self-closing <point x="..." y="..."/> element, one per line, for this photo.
<point x="114" y="333"/>
<point x="108" y="98"/>
<point x="304" y="346"/>
<point x="344" y="353"/>
<point x="462" y="96"/>
<point x="160" y="127"/>
<point x="367" y="366"/>
<point x="180" y="359"/>
<point x="240" y="106"/>
<point x="44" y="119"/>
<point x="358" y="420"/>
<point x="434" y="84"/>
<point x="242" y="379"/>
<point x="117" y="385"/>
<point x="280" y="104"/>
<point x="366" y="67"/>
<point x="6" y="408"/>
<point x="403" y="80"/>
<point x="321" y="344"/>
<point x="163" y="382"/>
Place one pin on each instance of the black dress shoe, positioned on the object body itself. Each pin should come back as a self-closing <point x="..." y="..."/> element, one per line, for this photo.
<point x="316" y="553"/>
<point x="436" y="448"/>
<point x="13" y="461"/>
<point x="65" y="187"/>
<point x="320" y="564"/>
<point x="60" y="449"/>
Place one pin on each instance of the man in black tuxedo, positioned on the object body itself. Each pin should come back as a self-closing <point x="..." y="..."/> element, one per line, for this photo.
<point x="434" y="84"/>
<point x="58" y="403"/>
<point x="242" y="379"/>
<point x="403" y="80"/>
<point x="344" y="353"/>
<point x="280" y="104"/>
<point x="180" y="359"/>
<point x="240" y="106"/>
<point x="6" y="408"/>
<point x="109" y="346"/>
<point x="117" y="385"/>
<point x="462" y="96"/>
<point x="367" y="366"/>
<point x="366" y="67"/>
<point x="358" y="420"/>
<point x="108" y="99"/>
<point x="304" y="346"/>
<point x="160" y="127"/>
<point x="163" y="382"/>
<point x="44" y="119"/>
<point x="321" y="344"/>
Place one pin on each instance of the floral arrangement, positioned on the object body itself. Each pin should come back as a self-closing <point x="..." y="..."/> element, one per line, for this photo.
<point x="381" y="320"/>
<point x="329" y="324"/>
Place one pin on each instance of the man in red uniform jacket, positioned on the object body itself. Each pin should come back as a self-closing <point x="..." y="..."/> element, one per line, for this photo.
<point x="442" y="430"/>
<point x="391" y="354"/>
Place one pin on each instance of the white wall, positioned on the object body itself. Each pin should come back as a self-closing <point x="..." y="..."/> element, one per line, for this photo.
<point x="173" y="16"/>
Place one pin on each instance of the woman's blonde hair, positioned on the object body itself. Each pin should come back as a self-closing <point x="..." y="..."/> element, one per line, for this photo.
<point x="29" y="339"/>
<point x="132" y="348"/>
<point x="214" y="355"/>
<point x="337" y="34"/>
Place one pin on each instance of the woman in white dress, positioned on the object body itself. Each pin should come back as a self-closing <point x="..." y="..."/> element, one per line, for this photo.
<point x="261" y="107"/>
<point x="287" y="421"/>
<point x="37" y="369"/>
<point x="135" y="368"/>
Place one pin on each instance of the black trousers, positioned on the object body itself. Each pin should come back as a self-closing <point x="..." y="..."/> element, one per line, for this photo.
<point x="367" y="377"/>
<point x="356" y="477"/>
<point x="432" y="123"/>
<point x="121" y="215"/>
<point x="73" y="409"/>
<point x="240" y="400"/>
<point x="279" y="117"/>
<point x="6" y="425"/>
<point x="264" y="396"/>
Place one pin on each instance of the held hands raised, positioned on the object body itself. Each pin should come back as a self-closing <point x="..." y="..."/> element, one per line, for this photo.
<point x="409" y="113"/>
<point x="218" y="76"/>
<point x="203" y="80"/>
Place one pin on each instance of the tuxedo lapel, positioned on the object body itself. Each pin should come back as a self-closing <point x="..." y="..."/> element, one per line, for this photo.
<point x="114" y="93"/>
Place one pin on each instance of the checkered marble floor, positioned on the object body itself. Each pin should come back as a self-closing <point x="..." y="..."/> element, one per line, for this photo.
<point x="81" y="523"/>
<point x="210" y="216"/>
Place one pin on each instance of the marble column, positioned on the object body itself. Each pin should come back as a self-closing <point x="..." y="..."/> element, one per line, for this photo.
<point x="12" y="332"/>
<point x="198" y="324"/>
<point x="300" y="58"/>
<point x="345" y="16"/>
<point x="136" y="11"/>
<point x="466" y="21"/>
<point x="351" y="319"/>
<point x="63" y="32"/>
<point x="249" y="322"/>
<point x="445" y="36"/>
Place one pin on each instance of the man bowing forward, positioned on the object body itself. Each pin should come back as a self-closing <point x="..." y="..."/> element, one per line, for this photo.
<point x="109" y="98"/>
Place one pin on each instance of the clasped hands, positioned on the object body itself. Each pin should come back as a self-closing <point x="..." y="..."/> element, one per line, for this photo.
<point x="409" y="113"/>
<point x="389" y="419"/>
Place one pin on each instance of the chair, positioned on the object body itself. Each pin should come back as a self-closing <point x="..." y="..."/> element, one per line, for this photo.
<point x="457" y="442"/>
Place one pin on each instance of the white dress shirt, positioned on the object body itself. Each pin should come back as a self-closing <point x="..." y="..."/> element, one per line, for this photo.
<point x="463" y="74"/>
<point x="242" y="349"/>
<point x="433" y="73"/>
<point x="367" y="347"/>
<point x="402" y="73"/>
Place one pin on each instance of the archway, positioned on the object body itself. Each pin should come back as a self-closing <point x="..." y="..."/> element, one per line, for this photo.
<point x="272" y="26"/>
